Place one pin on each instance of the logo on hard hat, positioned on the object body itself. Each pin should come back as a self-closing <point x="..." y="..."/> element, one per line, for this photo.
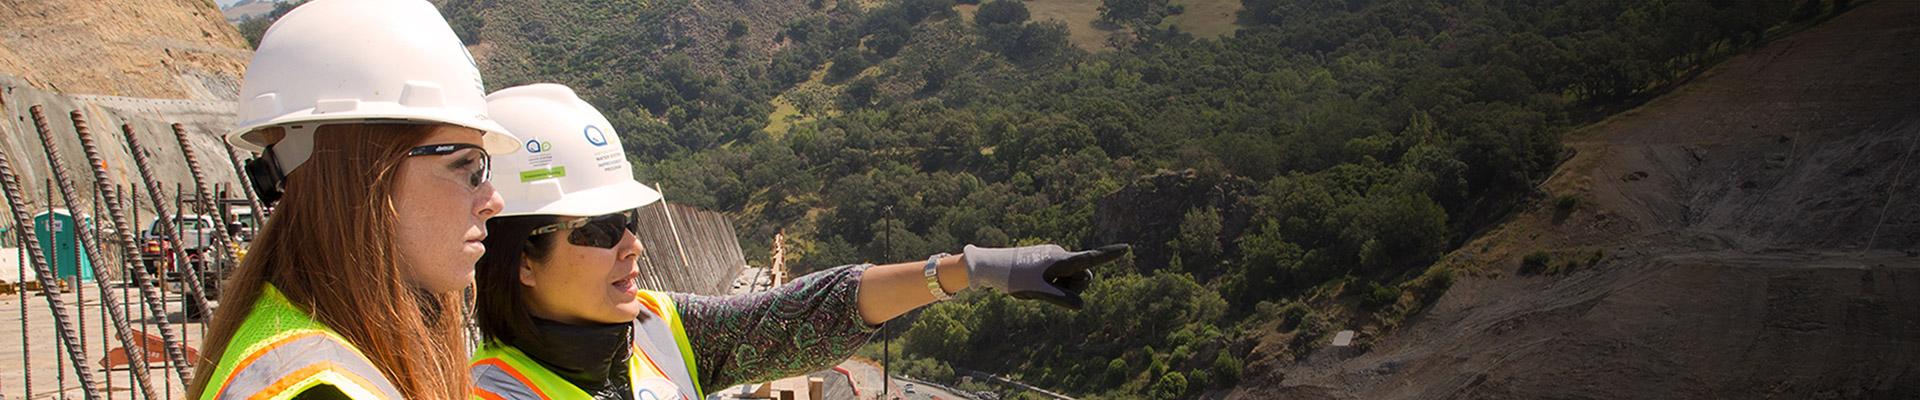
<point x="595" y="136"/>
<point x="536" y="146"/>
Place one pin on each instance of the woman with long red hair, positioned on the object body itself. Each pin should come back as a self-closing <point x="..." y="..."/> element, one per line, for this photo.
<point x="371" y="124"/>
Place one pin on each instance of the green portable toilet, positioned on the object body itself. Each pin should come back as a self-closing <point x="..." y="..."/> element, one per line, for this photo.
<point x="58" y="231"/>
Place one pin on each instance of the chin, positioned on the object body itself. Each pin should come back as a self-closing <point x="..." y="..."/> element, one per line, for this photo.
<point x="630" y="310"/>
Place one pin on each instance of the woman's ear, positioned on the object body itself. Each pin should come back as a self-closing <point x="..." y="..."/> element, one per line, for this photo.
<point x="526" y="271"/>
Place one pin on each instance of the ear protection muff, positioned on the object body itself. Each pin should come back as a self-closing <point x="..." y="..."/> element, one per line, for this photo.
<point x="266" y="176"/>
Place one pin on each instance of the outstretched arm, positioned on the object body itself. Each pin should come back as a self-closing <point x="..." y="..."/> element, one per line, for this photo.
<point x="888" y="291"/>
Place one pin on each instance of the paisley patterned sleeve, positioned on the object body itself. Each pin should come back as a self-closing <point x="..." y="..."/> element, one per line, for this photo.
<point x="803" y="326"/>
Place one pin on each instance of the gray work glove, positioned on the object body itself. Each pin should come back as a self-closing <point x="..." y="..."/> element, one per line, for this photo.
<point x="1045" y="272"/>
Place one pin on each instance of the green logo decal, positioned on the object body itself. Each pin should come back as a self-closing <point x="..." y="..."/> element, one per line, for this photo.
<point x="543" y="173"/>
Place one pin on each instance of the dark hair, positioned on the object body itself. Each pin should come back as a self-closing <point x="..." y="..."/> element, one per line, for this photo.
<point x="500" y="301"/>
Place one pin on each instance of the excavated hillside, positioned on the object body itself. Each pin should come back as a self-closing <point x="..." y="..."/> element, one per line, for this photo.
<point x="173" y="49"/>
<point x="149" y="63"/>
<point x="1754" y="234"/>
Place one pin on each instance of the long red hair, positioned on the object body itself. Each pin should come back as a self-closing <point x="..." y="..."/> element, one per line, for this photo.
<point x="330" y="248"/>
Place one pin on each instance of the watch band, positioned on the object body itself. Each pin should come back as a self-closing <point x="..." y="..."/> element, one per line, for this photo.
<point x="933" y="278"/>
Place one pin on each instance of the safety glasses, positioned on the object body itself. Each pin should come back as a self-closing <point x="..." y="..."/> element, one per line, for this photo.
<point x="479" y="172"/>
<point x="604" y="231"/>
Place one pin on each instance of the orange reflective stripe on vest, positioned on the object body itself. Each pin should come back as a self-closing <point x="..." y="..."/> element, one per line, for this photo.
<point x="280" y="351"/>
<point x="494" y="379"/>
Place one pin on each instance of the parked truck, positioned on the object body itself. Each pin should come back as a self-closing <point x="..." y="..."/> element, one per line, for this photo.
<point x="196" y="239"/>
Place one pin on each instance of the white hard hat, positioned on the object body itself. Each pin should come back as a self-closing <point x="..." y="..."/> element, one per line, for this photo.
<point x="571" y="164"/>
<point x="359" y="61"/>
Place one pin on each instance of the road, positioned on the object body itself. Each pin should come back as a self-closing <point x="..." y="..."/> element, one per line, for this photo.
<point x="866" y="376"/>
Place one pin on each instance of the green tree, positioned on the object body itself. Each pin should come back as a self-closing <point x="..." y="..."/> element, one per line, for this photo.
<point x="736" y="29"/>
<point x="994" y="13"/>
<point x="1173" y="385"/>
<point x="938" y="334"/>
<point x="846" y="64"/>
<point x="1199" y="238"/>
<point x="1133" y="12"/>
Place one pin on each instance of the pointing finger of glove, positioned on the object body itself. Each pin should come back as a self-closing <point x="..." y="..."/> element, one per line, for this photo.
<point x="1090" y="258"/>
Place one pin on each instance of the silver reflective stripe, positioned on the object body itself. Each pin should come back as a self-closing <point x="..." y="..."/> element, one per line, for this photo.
<point x="291" y="357"/>
<point x="491" y="378"/>
<point x="654" y="338"/>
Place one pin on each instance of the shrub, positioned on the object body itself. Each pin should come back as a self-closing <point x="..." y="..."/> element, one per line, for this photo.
<point x="1170" y="386"/>
<point x="1227" y="369"/>
<point x="736" y="29"/>
<point x="1379" y="296"/>
<point x="1566" y="202"/>
<point x="1535" y="263"/>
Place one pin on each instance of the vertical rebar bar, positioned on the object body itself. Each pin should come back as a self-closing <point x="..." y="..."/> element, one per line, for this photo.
<point x="127" y="268"/>
<point x="192" y="273"/>
<point x="87" y="243"/>
<point x="30" y="244"/>
<point x="26" y="340"/>
<point x="105" y="351"/>
<point x="59" y="365"/>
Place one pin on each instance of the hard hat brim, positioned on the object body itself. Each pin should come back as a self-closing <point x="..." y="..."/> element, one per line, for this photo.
<point x="597" y="201"/>
<point x="495" y="138"/>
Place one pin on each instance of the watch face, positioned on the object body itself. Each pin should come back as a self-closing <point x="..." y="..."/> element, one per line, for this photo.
<point x="655" y="388"/>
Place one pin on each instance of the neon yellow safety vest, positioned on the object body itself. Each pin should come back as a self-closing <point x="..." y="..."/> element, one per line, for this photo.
<point x="661" y="367"/>
<point x="280" y="351"/>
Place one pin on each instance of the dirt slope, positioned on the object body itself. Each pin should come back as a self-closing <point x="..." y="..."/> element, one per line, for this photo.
<point x="149" y="63"/>
<point x="1756" y="234"/>
<point x="173" y="49"/>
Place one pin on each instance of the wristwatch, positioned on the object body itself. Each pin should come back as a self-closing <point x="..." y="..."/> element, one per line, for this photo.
<point x="933" y="278"/>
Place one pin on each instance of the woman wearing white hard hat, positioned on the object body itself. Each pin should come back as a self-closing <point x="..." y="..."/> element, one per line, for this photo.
<point x="562" y="317"/>
<point x="373" y="134"/>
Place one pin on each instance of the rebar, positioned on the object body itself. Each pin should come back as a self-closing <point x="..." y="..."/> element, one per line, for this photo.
<point x="30" y="244"/>
<point x="160" y="210"/>
<point x="59" y="364"/>
<point x="129" y="250"/>
<point x="89" y="244"/>
<point x="134" y="215"/>
<point x="26" y="340"/>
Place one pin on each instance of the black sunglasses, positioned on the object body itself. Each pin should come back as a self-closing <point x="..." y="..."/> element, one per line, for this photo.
<point x="603" y="231"/>
<point x="478" y="177"/>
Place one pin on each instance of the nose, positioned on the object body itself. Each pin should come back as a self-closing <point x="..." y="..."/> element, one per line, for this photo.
<point x="629" y="249"/>
<point x="488" y="202"/>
